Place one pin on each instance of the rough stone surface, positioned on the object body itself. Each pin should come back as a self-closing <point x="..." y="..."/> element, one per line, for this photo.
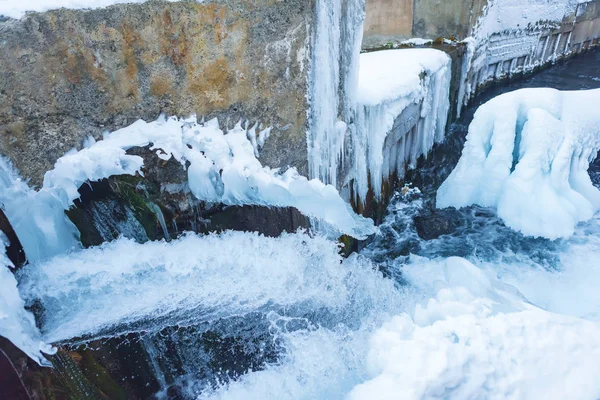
<point x="68" y="74"/>
<point x="437" y="223"/>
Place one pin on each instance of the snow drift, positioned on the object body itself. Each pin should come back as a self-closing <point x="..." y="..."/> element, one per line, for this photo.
<point x="527" y="154"/>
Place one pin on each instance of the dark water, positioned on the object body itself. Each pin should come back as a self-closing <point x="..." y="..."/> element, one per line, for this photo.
<point x="476" y="232"/>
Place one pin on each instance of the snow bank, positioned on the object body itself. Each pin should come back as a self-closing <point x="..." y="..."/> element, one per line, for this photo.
<point x="476" y="338"/>
<point x="527" y="154"/>
<point x="16" y="323"/>
<point x="389" y="82"/>
<point x="17" y="9"/>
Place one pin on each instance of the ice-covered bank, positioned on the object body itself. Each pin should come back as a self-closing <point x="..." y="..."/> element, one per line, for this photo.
<point x="402" y="111"/>
<point x="223" y="168"/>
<point x="527" y="154"/>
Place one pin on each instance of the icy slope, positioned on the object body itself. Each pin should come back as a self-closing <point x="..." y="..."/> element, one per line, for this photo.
<point x="389" y="83"/>
<point x="527" y="154"/>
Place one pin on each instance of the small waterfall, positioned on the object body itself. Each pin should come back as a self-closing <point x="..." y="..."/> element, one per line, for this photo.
<point x="161" y="219"/>
<point x="113" y="219"/>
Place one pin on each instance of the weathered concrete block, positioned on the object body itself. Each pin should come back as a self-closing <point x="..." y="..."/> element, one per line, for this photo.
<point x="68" y="74"/>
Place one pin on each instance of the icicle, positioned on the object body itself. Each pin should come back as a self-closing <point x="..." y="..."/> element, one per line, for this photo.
<point x="336" y="47"/>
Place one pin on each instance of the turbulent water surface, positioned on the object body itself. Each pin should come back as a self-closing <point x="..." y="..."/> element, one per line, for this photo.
<point x="480" y="312"/>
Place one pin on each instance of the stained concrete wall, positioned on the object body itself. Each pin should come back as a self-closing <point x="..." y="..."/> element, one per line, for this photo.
<point x="387" y="21"/>
<point x="69" y="74"/>
<point x="392" y="21"/>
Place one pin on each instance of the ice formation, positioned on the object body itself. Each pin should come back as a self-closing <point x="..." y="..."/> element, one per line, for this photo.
<point x="38" y="218"/>
<point x="402" y="110"/>
<point x="16" y="323"/>
<point x="513" y="36"/>
<point x="527" y="154"/>
<point x="333" y="82"/>
<point x="502" y="15"/>
<point x="223" y="169"/>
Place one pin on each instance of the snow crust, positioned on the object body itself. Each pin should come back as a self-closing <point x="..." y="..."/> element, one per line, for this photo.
<point x="389" y="82"/>
<point x="16" y="323"/>
<point x="527" y="154"/>
<point x="17" y="9"/>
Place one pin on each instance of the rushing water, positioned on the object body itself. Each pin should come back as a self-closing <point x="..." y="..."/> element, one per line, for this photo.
<point x="242" y="316"/>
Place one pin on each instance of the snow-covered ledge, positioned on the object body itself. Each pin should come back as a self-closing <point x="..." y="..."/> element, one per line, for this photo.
<point x="403" y="103"/>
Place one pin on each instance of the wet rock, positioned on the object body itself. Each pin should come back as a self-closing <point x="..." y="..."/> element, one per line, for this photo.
<point x="159" y="205"/>
<point x="437" y="223"/>
<point x="14" y="251"/>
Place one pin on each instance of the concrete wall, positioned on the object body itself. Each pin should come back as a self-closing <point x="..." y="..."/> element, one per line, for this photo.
<point x="68" y="74"/>
<point x="392" y="21"/>
<point x="387" y="21"/>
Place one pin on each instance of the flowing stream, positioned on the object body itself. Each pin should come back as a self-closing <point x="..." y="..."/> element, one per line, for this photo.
<point x="242" y="316"/>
